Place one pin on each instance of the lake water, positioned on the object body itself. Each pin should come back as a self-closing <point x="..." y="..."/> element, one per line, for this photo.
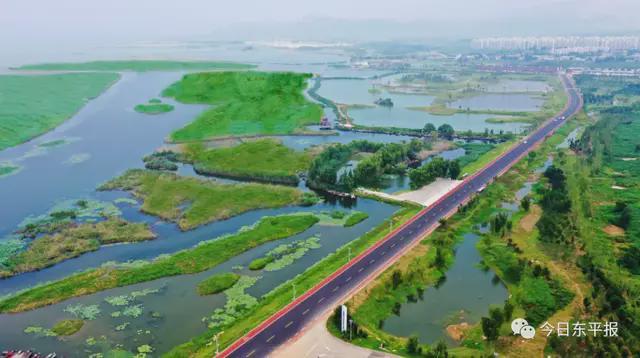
<point x="357" y="92"/>
<point x="518" y="86"/>
<point x="178" y="293"/>
<point x="465" y="296"/>
<point x="110" y="137"/>
<point x="501" y="102"/>
<point x="107" y="130"/>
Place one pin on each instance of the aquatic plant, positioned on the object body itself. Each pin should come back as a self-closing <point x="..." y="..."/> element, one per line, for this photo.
<point x="86" y="312"/>
<point x="145" y="348"/>
<point x="132" y="311"/>
<point x="122" y="300"/>
<point x="8" y="248"/>
<point x="126" y="201"/>
<point x="122" y="327"/>
<point x="116" y="314"/>
<point x="293" y="252"/>
<point x="238" y="301"/>
<point x="8" y="168"/>
<point x="77" y="158"/>
<point x="40" y="331"/>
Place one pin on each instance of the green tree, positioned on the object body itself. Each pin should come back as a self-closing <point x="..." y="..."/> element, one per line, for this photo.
<point x="446" y="131"/>
<point x="454" y="169"/>
<point x="428" y="128"/>
<point x="525" y="203"/>
<point x="413" y="345"/>
<point x="439" y="351"/>
<point x="396" y="279"/>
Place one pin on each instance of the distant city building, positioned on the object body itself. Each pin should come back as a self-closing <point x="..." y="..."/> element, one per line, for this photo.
<point x="560" y="44"/>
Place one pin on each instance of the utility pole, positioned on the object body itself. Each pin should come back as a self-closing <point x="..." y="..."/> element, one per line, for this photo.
<point x="215" y="339"/>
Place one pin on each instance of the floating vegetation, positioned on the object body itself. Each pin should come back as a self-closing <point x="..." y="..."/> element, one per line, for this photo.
<point x="285" y="254"/>
<point x="238" y="302"/>
<point x="73" y="209"/>
<point x="126" y="201"/>
<point x="77" y="158"/>
<point x="237" y="268"/>
<point x="116" y="314"/>
<point x="86" y="312"/>
<point x="292" y="253"/>
<point x="125" y="300"/>
<point x="123" y="326"/>
<point x="132" y="311"/>
<point x="57" y="142"/>
<point x="341" y="218"/>
<point x="122" y="300"/>
<point x="145" y="349"/>
<point x="8" y="248"/>
<point x="39" y="331"/>
<point x="8" y="168"/>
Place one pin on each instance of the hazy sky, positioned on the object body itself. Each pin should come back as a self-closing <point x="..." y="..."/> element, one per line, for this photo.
<point x="30" y="22"/>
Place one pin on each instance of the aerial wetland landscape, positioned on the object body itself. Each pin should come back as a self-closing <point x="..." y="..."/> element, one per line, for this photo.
<point x="165" y="208"/>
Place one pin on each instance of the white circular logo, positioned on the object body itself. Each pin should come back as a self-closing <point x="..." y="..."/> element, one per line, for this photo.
<point x="528" y="332"/>
<point x="517" y="324"/>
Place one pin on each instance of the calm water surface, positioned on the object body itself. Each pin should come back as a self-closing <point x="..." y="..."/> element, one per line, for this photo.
<point x="465" y="296"/>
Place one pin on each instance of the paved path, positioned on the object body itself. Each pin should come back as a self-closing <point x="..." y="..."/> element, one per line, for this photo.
<point x="316" y="341"/>
<point x="288" y="322"/>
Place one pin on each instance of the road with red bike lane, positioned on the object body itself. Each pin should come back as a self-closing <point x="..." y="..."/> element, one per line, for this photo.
<point x="289" y="321"/>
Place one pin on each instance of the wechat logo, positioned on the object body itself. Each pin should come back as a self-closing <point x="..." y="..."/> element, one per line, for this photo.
<point x="521" y="327"/>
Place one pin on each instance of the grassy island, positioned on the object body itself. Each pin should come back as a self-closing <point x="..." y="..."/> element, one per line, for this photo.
<point x="154" y="106"/>
<point x="138" y="66"/>
<point x="73" y="240"/>
<point x="246" y="104"/>
<point x="67" y="327"/>
<point x="191" y="202"/>
<point x="197" y="259"/>
<point x="33" y="105"/>
<point x="263" y="160"/>
<point x="217" y="283"/>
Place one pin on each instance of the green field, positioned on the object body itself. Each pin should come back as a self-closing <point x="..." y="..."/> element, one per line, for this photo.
<point x="192" y="202"/>
<point x="217" y="283"/>
<point x="33" y="105"/>
<point x="200" y="258"/>
<point x="138" y="66"/>
<point x="262" y="160"/>
<point x="246" y="104"/>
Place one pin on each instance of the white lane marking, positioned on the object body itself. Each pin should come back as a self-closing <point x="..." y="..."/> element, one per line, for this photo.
<point x="371" y="261"/>
<point x="383" y="252"/>
<point x="361" y="268"/>
<point x="320" y="300"/>
<point x="335" y="289"/>
<point x="348" y="279"/>
<point x="305" y="312"/>
<point x="393" y="245"/>
<point x="288" y="324"/>
<point x="250" y="353"/>
<point x="271" y="338"/>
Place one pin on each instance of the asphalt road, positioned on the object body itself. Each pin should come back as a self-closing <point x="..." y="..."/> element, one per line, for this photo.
<point x="289" y="321"/>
